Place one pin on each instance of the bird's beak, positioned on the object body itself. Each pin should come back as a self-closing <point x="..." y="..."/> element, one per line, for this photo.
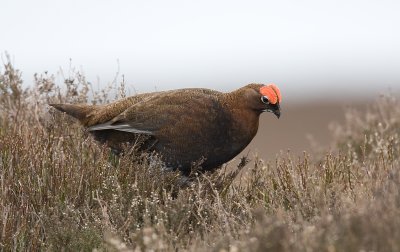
<point x="276" y="111"/>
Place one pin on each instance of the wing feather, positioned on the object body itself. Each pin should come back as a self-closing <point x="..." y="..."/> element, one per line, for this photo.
<point x="158" y="111"/>
<point x="120" y="127"/>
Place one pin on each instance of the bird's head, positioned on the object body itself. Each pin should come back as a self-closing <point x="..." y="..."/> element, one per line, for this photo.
<point x="263" y="98"/>
<point x="271" y="98"/>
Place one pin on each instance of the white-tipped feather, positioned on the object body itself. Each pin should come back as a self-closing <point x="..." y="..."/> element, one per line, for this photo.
<point x="119" y="127"/>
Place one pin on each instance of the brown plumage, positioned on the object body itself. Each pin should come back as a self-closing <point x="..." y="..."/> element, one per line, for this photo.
<point x="184" y="125"/>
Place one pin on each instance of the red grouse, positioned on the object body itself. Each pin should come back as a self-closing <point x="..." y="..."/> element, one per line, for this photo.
<point x="183" y="126"/>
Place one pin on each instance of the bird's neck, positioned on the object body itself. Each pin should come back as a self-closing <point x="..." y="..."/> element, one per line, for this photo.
<point x="246" y="120"/>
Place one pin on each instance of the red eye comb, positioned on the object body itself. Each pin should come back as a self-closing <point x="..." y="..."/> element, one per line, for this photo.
<point x="272" y="92"/>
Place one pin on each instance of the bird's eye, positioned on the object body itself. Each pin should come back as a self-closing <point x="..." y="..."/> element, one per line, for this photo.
<point x="264" y="99"/>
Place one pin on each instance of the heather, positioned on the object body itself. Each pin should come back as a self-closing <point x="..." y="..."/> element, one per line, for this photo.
<point x="61" y="190"/>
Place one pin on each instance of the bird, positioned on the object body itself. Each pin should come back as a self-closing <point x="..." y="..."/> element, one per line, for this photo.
<point x="183" y="126"/>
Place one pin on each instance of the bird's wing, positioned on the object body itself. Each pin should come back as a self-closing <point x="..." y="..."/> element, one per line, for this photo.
<point x="156" y="112"/>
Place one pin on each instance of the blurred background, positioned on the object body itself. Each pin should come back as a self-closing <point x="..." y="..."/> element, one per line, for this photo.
<point x="324" y="55"/>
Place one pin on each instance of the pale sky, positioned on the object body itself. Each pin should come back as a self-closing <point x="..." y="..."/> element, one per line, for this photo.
<point x="310" y="49"/>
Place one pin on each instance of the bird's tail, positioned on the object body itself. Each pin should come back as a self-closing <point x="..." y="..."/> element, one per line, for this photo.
<point x="82" y="112"/>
